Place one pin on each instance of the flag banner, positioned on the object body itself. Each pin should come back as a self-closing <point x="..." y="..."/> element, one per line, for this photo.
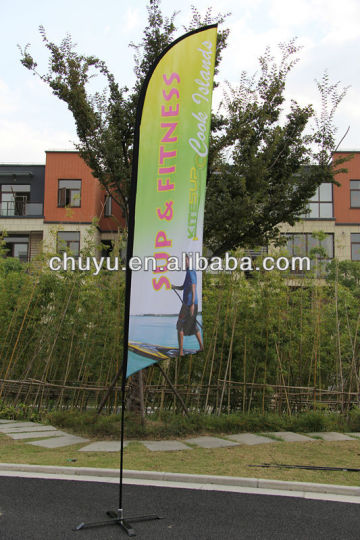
<point x="168" y="195"/>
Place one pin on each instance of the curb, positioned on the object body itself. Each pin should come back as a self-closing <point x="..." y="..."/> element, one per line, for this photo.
<point x="232" y="481"/>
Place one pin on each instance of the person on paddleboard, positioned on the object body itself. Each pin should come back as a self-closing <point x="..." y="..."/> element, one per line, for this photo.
<point x="186" y="324"/>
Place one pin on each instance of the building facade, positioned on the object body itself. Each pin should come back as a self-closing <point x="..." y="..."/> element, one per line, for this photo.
<point x="53" y="206"/>
<point x="334" y="211"/>
<point x="22" y="209"/>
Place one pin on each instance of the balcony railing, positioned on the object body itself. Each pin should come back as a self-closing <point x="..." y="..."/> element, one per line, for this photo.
<point x="21" y="209"/>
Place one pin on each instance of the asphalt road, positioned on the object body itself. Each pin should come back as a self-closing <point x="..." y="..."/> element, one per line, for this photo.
<point x="37" y="509"/>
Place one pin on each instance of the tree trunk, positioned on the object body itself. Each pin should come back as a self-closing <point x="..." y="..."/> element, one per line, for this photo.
<point x="135" y="397"/>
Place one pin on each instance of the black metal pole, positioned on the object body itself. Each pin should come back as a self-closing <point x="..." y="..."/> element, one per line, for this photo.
<point x="122" y="448"/>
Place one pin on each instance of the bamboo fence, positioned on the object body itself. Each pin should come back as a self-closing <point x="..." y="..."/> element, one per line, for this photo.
<point x="242" y="397"/>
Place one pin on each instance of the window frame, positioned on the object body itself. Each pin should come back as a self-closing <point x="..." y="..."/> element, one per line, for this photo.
<point x="16" y="240"/>
<point x="108" y="206"/>
<point x="21" y="196"/>
<point x="318" y="202"/>
<point x="64" y="191"/>
<point x="68" y="242"/>
<point x="319" y="259"/>
<point x="352" y="190"/>
<point x="354" y="244"/>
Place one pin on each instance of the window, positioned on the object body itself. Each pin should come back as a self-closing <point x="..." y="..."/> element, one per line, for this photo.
<point x="354" y="193"/>
<point x="14" y="199"/>
<point x="69" y="193"/>
<point x="108" y="206"/>
<point x="68" y="241"/>
<point x="306" y="245"/>
<point x="321" y="204"/>
<point x="17" y="246"/>
<point x="355" y="246"/>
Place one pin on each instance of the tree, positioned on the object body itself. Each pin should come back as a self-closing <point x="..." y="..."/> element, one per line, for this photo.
<point x="268" y="168"/>
<point x="105" y="120"/>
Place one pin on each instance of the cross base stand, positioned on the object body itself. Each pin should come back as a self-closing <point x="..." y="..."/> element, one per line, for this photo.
<point x="118" y="519"/>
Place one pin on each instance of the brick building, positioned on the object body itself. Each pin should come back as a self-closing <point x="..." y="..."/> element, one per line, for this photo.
<point x="54" y="205"/>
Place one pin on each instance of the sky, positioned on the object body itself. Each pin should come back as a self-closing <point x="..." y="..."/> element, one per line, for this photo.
<point x="33" y="120"/>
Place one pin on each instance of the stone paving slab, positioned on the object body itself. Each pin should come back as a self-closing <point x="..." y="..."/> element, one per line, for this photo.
<point x="289" y="436"/>
<point x="331" y="436"/>
<point x="210" y="442"/>
<point x="17" y="425"/>
<point x="36" y="435"/>
<point x="26" y="429"/>
<point x="103" y="446"/>
<point x="58" y="442"/>
<point x="165" y="446"/>
<point x="250" y="439"/>
<point x="6" y="421"/>
<point x="354" y="435"/>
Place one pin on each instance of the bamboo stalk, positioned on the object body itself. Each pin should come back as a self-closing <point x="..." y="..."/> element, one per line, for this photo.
<point x="211" y="371"/>
<point x="7" y="338"/>
<point x="227" y="311"/>
<point x="282" y="376"/>
<point x="18" y="336"/>
<point x="47" y="364"/>
<point x="228" y="362"/>
<point x="338" y="336"/>
<point x="265" y="366"/>
<point x="208" y="354"/>
<point x="244" y="376"/>
<point x="176" y="381"/>
<point x="67" y="368"/>
<point x="252" y="387"/>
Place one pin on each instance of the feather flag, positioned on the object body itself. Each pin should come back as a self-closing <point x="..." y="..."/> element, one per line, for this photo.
<point x="163" y="293"/>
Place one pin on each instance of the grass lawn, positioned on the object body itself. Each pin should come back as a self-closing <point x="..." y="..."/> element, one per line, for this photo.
<point x="233" y="461"/>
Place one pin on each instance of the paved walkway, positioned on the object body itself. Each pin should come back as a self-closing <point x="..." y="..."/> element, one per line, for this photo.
<point x="49" y="437"/>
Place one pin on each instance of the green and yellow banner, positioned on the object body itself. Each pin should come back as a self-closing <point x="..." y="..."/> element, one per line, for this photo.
<point x="168" y="195"/>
